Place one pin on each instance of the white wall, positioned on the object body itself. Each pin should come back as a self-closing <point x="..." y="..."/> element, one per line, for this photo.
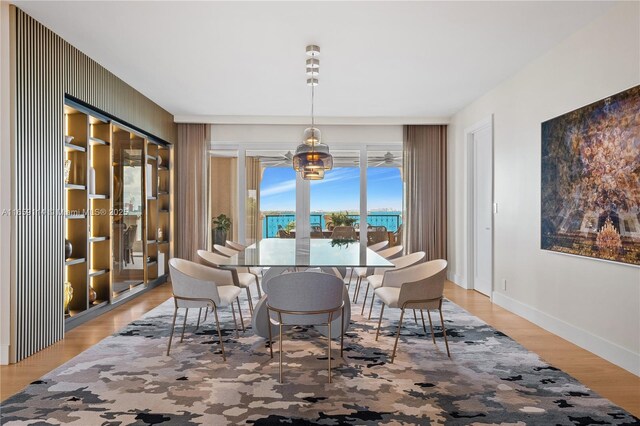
<point x="592" y="303"/>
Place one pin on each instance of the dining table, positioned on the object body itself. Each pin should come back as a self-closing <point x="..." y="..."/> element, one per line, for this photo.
<point x="302" y="254"/>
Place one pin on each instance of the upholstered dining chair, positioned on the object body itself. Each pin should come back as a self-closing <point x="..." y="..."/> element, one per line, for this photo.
<point x="256" y="270"/>
<point x="344" y="233"/>
<point x="240" y="279"/>
<point x="416" y="287"/>
<point x="305" y="298"/>
<point x="362" y="273"/>
<point x="235" y="245"/>
<point x="375" y="247"/>
<point x="198" y="286"/>
<point x="376" y="279"/>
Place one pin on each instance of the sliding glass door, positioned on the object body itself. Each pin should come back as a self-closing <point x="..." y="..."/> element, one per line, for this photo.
<point x="265" y="198"/>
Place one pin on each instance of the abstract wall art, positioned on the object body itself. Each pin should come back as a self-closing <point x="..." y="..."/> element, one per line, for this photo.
<point x="591" y="180"/>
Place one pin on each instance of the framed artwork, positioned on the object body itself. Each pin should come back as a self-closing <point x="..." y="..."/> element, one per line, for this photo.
<point x="591" y="180"/>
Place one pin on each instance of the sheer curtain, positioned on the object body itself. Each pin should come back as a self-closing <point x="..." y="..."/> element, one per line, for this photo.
<point x="191" y="189"/>
<point x="425" y="173"/>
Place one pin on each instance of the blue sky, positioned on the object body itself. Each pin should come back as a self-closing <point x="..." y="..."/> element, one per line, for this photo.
<point x="339" y="190"/>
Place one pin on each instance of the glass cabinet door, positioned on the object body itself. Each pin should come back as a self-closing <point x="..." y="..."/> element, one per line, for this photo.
<point x="129" y="252"/>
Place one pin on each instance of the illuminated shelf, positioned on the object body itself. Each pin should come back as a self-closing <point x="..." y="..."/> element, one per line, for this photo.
<point x="72" y="147"/>
<point x="74" y="261"/>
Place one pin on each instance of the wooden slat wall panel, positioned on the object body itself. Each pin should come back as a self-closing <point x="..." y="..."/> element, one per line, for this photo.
<point x="47" y="67"/>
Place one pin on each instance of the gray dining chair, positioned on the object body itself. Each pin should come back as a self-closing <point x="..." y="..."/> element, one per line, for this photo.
<point x="256" y="270"/>
<point x="415" y="287"/>
<point x="304" y="298"/>
<point x="363" y="271"/>
<point x="198" y="286"/>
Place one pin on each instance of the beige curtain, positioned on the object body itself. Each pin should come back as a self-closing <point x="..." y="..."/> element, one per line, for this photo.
<point x="191" y="190"/>
<point x="252" y="207"/>
<point x="425" y="173"/>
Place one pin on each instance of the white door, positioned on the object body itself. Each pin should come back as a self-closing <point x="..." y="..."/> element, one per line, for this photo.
<point x="482" y="210"/>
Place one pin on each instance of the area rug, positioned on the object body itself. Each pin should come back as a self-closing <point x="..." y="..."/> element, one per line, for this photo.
<point x="490" y="379"/>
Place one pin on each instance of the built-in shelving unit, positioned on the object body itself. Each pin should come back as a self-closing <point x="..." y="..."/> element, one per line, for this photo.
<point x="116" y="199"/>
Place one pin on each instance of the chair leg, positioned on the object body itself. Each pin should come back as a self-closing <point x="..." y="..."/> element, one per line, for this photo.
<point x="356" y="290"/>
<point x="373" y="296"/>
<point x="250" y="301"/>
<point x="206" y="312"/>
<point x="329" y="354"/>
<point x="199" y="315"/>
<point x="235" y="322"/>
<point x="350" y="277"/>
<point x="215" y="312"/>
<point x="280" y="346"/>
<point x="444" y="333"/>
<point x="364" y="302"/>
<point x="270" y="336"/>
<point x="184" y="324"/>
<point x="173" y="326"/>
<point x="255" y="276"/>
<point x="395" y="345"/>
<point x="433" y="335"/>
<point x="342" y="335"/>
<point x="380" y="321"/>
<point x="415" y="318"/>
<point x="240" y="313"/>
<point x="424" y="327"/>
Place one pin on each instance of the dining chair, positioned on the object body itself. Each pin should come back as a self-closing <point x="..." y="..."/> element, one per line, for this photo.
<point x="235" y="245"/>
<point x="375" y="247"/>
<point x="415" y="287"/>
<point x="316" y="231"/>
<point x="344" y="233"/>
<point x="240" y="279"/>
<point x="376" y="234"/>
<point x="256" y="270"/>
<point x="362" y="273"/>
<point x="376" y="279"/>
<point x="198" y="286"/>
<point x="305" y="298"/>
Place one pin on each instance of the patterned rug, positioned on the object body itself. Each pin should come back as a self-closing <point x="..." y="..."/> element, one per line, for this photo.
<point x="128" y="379"/>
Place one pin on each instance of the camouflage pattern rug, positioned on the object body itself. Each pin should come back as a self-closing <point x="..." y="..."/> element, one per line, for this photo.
<point x="128" y="379"/>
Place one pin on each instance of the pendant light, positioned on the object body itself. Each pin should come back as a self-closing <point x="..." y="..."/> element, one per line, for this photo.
<point x="312" y="157"/>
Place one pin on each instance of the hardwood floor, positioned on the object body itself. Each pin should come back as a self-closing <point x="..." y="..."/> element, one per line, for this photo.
<point x="610" y="381"/>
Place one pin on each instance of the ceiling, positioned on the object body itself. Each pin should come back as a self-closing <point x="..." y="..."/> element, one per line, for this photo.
<point x="379" y="59"/>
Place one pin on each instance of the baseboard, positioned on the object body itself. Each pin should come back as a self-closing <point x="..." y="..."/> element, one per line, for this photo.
<point x="610" y="351"/>
<point x="4" y="354"/>
<point x="457" y="280"/>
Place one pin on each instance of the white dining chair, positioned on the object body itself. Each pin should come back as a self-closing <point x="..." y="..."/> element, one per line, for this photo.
<point x="377" y="278"/>
<point x="241" y="279"/>
<point x="235" y="245"/>
<point x="198" y="286"/>
<point x="305" y="298"/>
<point x="229" y="252"/>
<point x="362" y="273"/>
<point x="375" y="247"/>
<point x="415" y="287"/>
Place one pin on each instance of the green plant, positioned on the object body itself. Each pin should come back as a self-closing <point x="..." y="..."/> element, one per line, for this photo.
<point x="342" y="219"/>
<point x="290" y="226"/>
<point x="221" y="223"/>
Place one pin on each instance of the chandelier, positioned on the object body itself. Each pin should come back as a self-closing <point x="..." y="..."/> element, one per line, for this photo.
<point x="312" y="157"/>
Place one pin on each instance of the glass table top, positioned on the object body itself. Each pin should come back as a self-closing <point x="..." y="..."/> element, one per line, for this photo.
<point x="305" y="252"/>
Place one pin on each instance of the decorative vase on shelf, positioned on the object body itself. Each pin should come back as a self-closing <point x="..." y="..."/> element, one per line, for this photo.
<point x="67" y="170"/>
<point x="92" y="295"/>
<point x="68" y="295"/>
<point x="159" y="159"/>
<point x="92" y="181"/>
<point x="67" y="249"/>
<point x="160" y="234"/>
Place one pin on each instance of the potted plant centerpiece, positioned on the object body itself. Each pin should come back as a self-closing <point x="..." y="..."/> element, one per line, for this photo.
<point x="220" y="227"/>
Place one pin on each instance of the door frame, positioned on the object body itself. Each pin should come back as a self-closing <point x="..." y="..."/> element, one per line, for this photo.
<point x="469" y="132"/>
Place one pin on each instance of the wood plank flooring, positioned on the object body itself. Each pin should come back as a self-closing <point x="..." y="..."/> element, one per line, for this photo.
<point x="610" y="381"/>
